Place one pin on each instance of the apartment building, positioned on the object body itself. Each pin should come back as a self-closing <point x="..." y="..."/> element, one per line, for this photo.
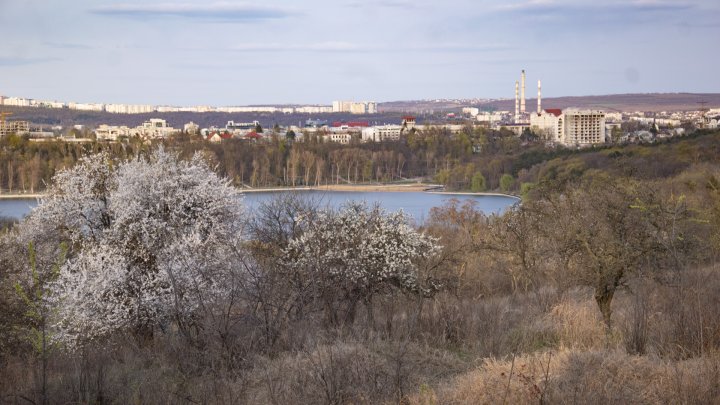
<point x="382" y="133"/>
<point x="570" y="127"/>
<point x="14" y="127"/>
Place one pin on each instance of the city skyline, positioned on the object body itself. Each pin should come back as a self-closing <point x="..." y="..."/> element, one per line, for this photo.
<point x="241" y="53"/>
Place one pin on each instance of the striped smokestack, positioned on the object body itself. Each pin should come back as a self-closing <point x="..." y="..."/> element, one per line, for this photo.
<point x="539" y="98"/>
<point x="517" y="101"/>
<point x="522" y="95"/>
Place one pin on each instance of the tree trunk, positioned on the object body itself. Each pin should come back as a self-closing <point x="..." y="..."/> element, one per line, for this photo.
<point x="603" y="296"/>
<point x="370" y="313"/>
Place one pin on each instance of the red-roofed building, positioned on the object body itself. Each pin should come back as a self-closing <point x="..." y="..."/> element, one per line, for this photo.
<point x="548" y="124"/>
<point x="218" y="136"/>
<point x="253" y="136"/>
<point x="408" y="121"/>
<point x="554" y="111"/>
<point x="350" y="124"/>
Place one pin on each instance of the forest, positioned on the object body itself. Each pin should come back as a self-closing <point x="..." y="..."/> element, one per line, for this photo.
<point x="26" y="166"/>
<point x="142" y="279"/>
<point x="476" y="159"/>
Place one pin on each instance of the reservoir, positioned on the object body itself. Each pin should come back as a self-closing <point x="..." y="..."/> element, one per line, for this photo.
<point x="416" y="204"/>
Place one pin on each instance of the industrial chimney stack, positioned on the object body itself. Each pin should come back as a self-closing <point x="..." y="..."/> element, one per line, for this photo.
<point x="522" y="96"/>
<point x="539" y="98"/>
<point x="517" y="101"/>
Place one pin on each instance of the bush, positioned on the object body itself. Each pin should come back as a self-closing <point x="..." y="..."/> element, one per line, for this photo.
<point x="478" y="183"/>
<point x="506" y="182"/>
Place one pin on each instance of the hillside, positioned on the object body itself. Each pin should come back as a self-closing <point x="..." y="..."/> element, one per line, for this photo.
<point x="66" y="117"/>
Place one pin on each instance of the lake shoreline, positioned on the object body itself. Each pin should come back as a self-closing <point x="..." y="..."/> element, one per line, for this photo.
<point x="390" y="188"/>
<point x="21" y="196"/>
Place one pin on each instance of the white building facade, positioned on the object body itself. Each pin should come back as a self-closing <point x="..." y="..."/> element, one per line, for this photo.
<point x="111" y="132"/>
<point x="584" y="127"/>
<point x="353" y="107"/>
<point x="570" y="127"/>
<point x="341" y="137"/>
<point x="382" y="133"/>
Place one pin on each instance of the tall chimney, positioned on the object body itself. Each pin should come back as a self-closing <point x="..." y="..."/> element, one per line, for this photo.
<point x="517" y="101"/>
<point x="539" y="97"/>
<point x="522" y="95"/>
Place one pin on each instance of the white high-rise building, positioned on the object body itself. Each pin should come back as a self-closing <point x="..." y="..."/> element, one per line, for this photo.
<point x="129" y="108"/>
<point x="584" y="127"/>
<point x="570" y="127"/>
<point x="17" y="101"/>
<point x="362" y="107"/>
<point x="86" y="106"/>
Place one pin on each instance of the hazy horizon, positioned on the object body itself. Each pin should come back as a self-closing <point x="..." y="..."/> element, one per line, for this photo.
<point x="281" y="52"/>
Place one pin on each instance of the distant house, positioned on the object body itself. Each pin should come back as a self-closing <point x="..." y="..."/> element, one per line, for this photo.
<point x="218" y="136"/>
<point x="191" y="128"/>
<point x="311" y="123"/>
<point x="408" y="121"/>
<point x="350" y="124"/>
<point x="713" y="122"/>
<point x="253" y="136"/>
<point x="342" y="137"/>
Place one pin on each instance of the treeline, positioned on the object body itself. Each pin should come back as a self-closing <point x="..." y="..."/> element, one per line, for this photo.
<point x="435" y="154"/>
<point x="27" y="167"/>
<point x="475" y="159"/>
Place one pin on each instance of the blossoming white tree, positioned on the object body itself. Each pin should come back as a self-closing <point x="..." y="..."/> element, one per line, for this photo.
<point x="148" y="238"/>
<point x="358" y="252"/>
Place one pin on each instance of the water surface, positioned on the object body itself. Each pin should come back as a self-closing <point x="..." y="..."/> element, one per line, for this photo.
<point x="417" y="204"/>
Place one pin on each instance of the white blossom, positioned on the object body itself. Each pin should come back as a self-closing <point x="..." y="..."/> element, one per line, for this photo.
<point x="365" y="249"/>
<point x="147" y="239"/>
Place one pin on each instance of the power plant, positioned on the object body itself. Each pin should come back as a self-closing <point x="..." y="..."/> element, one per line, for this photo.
<point x="521" y="114"/>
<point x="517" y="101"/>
<point x="522" y="96"/>
<point x="539" y="110"/>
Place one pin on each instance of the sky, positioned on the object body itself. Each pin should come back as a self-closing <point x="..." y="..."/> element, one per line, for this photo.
<point x="184" y="52"/>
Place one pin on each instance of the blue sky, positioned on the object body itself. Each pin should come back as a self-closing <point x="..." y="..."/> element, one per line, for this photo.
<point x="183" y="52"/>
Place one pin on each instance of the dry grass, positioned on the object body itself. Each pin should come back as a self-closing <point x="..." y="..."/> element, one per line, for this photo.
<point x="458" y="352"/>
<point x="349" y="373"/>
<point x="577" y="321"/>
<point x="584" y="377"/>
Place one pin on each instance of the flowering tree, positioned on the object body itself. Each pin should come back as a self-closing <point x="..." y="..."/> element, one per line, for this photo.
<point x="147" y="239"/>
<point x="353" y="254"/>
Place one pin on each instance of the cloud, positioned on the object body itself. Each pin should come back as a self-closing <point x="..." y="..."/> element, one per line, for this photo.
<point x="17" y="61"/>
<point x="64" y="45"/>
<point x="314" y="47"/>
<point x="217" y="11"/>
<point x="618" y="9"/>
<point x="347" y="47"/>
<point x="402" y="4"/>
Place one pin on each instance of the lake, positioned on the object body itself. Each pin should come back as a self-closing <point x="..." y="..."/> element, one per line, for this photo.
<point x="417" y="204"/>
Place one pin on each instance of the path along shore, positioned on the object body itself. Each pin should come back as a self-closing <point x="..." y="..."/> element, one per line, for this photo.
<point x="410" y="187"/>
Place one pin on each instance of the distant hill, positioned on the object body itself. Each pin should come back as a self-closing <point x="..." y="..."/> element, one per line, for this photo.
<point x="66" y="117"/>
<point x="390" y="112"/>
<point x="613" y="102"/>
